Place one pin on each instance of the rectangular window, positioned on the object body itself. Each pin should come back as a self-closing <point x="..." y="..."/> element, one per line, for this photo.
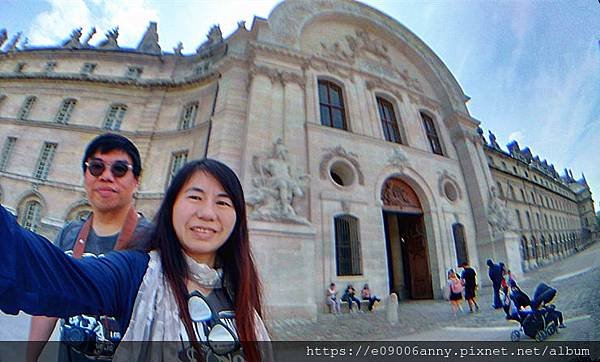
<point x="45" y="161"/>
<point x="88" y="68"/>
<point x="331" y="105"/>
<point x="347" y="245"/>
<point x="178" y="159"/>
<point x="7" y="150"/>
<point x="432" y="136"/>
<point x="65" y="110"/>
<point x="114" y="117"/>
<point x="134" y="72"/>
<point x="388" y="121"/>
<point x="188" y="116"/>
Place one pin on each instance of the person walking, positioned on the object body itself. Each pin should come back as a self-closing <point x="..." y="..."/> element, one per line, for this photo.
<point x="469" y="280"/>
<point x="495" y="274"/>
<point x="455" y="289"/>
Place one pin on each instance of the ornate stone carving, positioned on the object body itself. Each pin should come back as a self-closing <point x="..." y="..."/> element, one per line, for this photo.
<point x="3" y="37"/>
<point x="214" y="37"/>
<point x="178" y="49"/>
<point x="493" y="142"/>
<point x="276" y="187"/>
<point x="321" y="65"/>
<point x="73" y="41"/>
<point x="340" y="152"/>
<point x="335" y="51"/>
<point x="499" y="217"/>
<point x="111" y="40"/>
<point x="398" y="158"/>
<point x="87" y="39"/>
<point x="276" y="75"/>
<point x="398" y="195"/>
<point x="11" y="47"/>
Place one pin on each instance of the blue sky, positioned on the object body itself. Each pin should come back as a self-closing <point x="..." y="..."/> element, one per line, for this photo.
<point x="531" y="68"/>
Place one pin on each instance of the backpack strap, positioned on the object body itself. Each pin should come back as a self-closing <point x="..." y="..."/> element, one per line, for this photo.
<point x="122" y="241"/>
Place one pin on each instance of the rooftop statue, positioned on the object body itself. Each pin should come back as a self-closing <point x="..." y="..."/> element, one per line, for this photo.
<point x="111" y="39"/>
<point x="73" y="41"/>
<point x="3" y="37"/>
<point x="493" y="142"/>
<point x="87" y="39"/>
<point x="12" y="45"/>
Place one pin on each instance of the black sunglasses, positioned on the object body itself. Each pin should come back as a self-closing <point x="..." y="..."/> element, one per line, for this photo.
<point x="117" y="168"/>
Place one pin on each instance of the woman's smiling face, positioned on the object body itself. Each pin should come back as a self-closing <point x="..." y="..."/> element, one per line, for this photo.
<point x="203" y="217"/>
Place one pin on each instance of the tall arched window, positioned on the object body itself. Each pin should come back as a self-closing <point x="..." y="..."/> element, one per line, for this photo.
<point x="347" y="245"/>
<point x="331" y="105"/>
<point x="26" y="107"/>
<point x="460" y="243"/>
<point x="64" y="112"/>
<point x="389" y="124"/>
<point x="432" y="134"/>
<point x="32" y="214"/>
<point x="114" y="117"/>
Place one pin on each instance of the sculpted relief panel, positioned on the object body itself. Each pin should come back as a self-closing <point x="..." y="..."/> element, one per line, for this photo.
<point x="357" y="48"/>
<point x="276" y="185"/>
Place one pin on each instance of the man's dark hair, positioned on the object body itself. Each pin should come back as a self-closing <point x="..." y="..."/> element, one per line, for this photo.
<point x="109" y="142"/>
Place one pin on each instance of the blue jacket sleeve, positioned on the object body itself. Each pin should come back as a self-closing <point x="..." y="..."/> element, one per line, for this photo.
<point x="40" y="279"/>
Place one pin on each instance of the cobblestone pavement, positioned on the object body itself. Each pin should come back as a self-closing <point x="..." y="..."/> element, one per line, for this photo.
<point x="576" y="277"/>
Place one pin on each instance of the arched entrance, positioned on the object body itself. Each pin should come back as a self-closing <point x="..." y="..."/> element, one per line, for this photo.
<point x="406" y="241"/>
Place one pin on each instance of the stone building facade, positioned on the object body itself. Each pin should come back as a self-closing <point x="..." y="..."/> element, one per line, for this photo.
<point x="358" y="156"/>
<point x="553" y="215"/>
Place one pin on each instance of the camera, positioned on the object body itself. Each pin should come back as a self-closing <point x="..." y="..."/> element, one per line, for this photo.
<point x="96" y="338"/>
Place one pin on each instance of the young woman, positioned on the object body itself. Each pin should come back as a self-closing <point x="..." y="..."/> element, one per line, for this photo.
<point x="367" y="295"/>
<point x="332" y="299"/>
<point x="455" y="289"/>
<point x="197" y="284"/>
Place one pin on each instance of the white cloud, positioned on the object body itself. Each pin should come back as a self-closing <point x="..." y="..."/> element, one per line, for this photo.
<point x="516" y="136"/>
<point x="53" y="26"/>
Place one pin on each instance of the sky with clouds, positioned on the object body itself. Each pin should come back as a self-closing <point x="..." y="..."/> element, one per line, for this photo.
<point x="531" y="68"/>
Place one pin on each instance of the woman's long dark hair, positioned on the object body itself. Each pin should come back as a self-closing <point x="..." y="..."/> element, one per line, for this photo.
<point x="234" y="255"/>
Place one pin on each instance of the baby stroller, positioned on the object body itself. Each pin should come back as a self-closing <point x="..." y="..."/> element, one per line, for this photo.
<point x="537" y="318"/>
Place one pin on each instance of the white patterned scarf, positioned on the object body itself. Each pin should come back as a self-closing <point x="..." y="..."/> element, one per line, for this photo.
<point x="155" y="316"/>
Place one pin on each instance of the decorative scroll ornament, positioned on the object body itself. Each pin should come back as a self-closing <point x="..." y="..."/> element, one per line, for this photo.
<point x="339" y="151"/>
<point x="399" y="158"/>
<point x="399" y="196"/>
<point x="276" y="187"/>
<point x="498" y="216"/>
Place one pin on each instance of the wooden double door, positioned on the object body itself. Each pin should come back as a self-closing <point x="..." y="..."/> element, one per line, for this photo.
<point x="407" y="255"/>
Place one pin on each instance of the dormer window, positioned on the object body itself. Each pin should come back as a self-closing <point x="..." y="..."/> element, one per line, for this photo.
<point x="88" y="68"/>
<point x="134" y="72"/>
<point x="50" y="67"/>
<point x="20" y="67"/>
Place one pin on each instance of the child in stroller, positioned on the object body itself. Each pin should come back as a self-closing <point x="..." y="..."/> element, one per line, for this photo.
<point x="538" y="318"/>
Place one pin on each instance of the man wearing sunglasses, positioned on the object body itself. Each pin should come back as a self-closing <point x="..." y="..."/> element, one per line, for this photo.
<point x="111" y="171"/>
